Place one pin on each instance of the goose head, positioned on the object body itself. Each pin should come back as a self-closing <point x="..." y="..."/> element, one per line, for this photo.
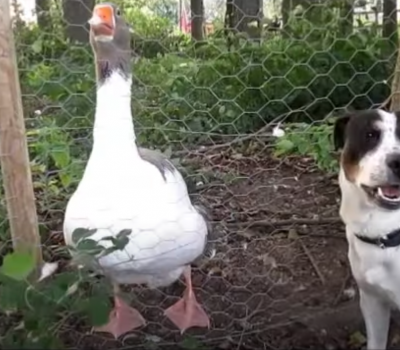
<point x="110" y="38"/>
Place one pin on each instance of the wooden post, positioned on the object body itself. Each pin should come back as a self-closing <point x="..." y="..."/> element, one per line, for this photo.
<point x="17" y="180"/>
<point x="180" y="15"/>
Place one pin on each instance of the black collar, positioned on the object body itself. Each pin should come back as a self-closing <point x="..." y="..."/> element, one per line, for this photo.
<point x="391" y="240"/>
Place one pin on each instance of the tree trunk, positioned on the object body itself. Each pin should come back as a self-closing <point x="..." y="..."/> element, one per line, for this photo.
<point x="229" y="23"/>
<point x="229" y="16"/>
<point x="245" y="12"/>
<point x="346" y="18"/>
<point x="76" y="15"/>
<point x="286" y="7"/>
<point x="197" y="16"/>
<point x="395" y="93"/>
<point x="42" y="9"/>
<point x="389" y="27"/>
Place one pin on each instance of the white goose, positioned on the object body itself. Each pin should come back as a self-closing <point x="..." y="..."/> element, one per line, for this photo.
<point x="124" y="187"/>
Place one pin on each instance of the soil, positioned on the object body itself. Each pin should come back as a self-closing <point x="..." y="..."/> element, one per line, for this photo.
<point x="280" y="277"/>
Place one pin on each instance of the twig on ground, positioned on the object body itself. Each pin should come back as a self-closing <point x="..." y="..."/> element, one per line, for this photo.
<point x="342" y="288"/>
<point x="247" y="319"/>
<point x="319" y="235"/>
<point x="289" y="222"/>
<point x="238" y="139"/>
<point x="312" y="260"/>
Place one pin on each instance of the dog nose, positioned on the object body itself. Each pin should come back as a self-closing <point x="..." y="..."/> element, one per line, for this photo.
<point x="393" y="163"/>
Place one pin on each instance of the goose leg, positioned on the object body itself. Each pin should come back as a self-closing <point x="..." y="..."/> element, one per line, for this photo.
<point x="122" y="319"/>
<point x="187" y="312"/>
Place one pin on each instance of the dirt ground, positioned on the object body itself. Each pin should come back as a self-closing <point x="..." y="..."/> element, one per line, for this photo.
<point x="280" y="277"/>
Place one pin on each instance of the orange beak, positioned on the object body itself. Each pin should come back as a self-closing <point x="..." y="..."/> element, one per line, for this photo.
<point x="102" y="22"/>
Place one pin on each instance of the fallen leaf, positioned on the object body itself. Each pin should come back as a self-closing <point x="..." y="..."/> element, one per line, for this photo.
<point x="278" y="131"/>
<point x="292" y="234"/>
<point x="349" y="293"/>
<point x="395" y="339"/>
<point x="267" y="260"/>
<point x="215" y="271"/>
<point x="72" y="289"/>
<point x="47" y="270"/>
<point x="237" y="156"/>
<point x="357" y="339"/>
<point x="20" y="326"/>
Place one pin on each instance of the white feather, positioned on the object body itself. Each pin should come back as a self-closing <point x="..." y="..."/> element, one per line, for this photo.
<point x="119" y="190"/>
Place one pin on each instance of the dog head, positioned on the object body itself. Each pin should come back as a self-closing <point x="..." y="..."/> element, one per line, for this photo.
<point x="370" y="154"/>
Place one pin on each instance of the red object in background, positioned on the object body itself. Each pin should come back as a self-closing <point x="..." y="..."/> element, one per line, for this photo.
<point x="184" y="20"/>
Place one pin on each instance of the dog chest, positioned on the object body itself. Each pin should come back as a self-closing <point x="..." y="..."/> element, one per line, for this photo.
<point x="376" y="270"/>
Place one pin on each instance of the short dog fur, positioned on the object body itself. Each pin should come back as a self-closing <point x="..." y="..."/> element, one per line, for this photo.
<point x="369" y="181"/>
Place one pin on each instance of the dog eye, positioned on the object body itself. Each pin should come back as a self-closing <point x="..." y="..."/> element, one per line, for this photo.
<point x="118" y="12"/>
<point x="373" y="135"/>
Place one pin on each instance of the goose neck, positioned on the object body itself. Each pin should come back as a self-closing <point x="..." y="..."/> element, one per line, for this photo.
<point x="113" y="117"/>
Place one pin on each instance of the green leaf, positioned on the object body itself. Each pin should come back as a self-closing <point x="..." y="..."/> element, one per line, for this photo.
<point x="108" y="251"/>
<point x="303" y="147"/>
<point x="121" y="243"/>
<point x="285" y="145"/>
<point x="230" y="113"/>
<point x="60" y="157"/>
<point x="122" y="239"/>
<point x="89" y="246"/>
<point x="357" y="339"/>
<point x="97" y="310"/>
<point x="65" y="179"/>
<point x="82" y="233"/>
<point x="18" y="265"/>
<point x="37" y="46"/>
<point x="109" y="238"/>
<point x="124" y="233"/>
<point x="191" y="343"/>
<point x="12" y="294"/>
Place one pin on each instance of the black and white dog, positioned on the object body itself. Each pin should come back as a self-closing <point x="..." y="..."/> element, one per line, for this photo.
<point x="370" y="208"/>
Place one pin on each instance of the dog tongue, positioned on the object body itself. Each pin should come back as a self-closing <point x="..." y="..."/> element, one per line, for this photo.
<point x="391" y="191"/>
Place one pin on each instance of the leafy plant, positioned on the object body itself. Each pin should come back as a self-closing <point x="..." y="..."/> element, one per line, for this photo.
<point x="313" y="141"/>
<point x="35" y="314"/>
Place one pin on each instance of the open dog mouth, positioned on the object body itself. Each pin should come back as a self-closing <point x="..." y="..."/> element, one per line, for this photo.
<point x="386" y="195"/>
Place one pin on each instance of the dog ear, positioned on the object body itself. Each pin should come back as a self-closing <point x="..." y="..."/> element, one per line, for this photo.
<point x="339" y="131"/>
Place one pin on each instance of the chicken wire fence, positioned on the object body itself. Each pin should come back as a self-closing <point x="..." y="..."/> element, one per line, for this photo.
<point x="247" y="118"/>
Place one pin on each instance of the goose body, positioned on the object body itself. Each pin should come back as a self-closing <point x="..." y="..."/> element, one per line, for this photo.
<point x="121" y="189"/>
<point x="125" y="187"/>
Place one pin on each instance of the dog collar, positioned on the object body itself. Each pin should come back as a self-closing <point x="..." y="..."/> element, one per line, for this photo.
<point x="391" y="240"/>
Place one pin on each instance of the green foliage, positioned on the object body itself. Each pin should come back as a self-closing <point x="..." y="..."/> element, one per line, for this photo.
<point x="306" y="140"/>
<point x="37" y="313"/>
<point x="166" y="9"/>
<point x="154" y="23"/>
<point x="207" y="90"/>
<point x="235" y="92"/>
<point x="18" y="265"/>
<point x="191" y="343"/>
<point x="188" y="94"/>
<point x="84" y="248"/>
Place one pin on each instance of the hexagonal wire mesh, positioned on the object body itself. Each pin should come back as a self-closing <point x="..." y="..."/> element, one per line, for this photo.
<point x="244" y="115"/>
